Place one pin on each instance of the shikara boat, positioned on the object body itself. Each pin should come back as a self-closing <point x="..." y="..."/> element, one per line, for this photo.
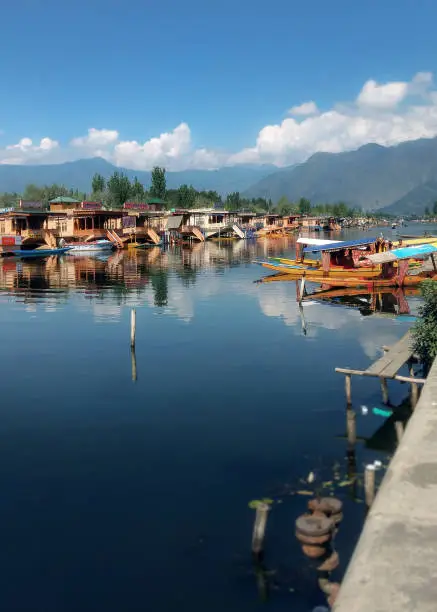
<point x="390" y="276"/>
<point x="338" y="260"/>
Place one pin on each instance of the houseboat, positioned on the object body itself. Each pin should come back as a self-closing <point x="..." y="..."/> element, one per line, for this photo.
<point x="204" y="223"/>
<point x="144" y="222"/>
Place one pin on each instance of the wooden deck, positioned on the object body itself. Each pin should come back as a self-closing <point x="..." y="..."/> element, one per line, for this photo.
<point x="387" y="367"/>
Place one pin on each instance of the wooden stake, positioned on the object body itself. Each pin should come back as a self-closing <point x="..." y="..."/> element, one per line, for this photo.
<point x="414" y="390"/>
<point x="384" y="389"/>
<point x="351" y="426"/>
<point x="347" y="385"/>
<point x="369" y="484"/>
<point x="399" y="427"/>
<point x="302" y="289"/>
<point x="133" y="324"/>
<point x="134" y="364"/>
<point x="259" y="528"/>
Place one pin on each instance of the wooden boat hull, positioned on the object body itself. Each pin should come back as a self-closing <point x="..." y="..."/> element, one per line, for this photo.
<point x="31" y="253"/>
<point x="375" y="283"/>
<point x="297" y="271"/>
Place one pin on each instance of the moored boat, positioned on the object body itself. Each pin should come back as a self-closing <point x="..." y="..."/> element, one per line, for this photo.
<point x="27" y="253"/>
<point x="96" y="246"/>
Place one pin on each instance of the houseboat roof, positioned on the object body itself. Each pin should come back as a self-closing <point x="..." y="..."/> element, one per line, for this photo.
<point x="404" y="253"/>
<point x="339" y="246"/>
<point x="64" y="200"/>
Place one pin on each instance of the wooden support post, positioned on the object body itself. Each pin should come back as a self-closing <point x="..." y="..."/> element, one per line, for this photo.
<point x="302" y="289"/>
<point x="414" y="390"/>
<point x="351" y="426"/>
<point x="384" y="389"/>
<point x="433" y="262"/>
<point x="133" y="325"/>
<point x="259" y="528"/>
<point x="134" y="364"/>
<point x="369" y="484"/>
<point x="347" y="386"/>
<point x="399" y="427"/>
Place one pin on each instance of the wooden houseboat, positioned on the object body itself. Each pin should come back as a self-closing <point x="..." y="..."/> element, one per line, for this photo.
<point x="144" y="222"/>
<point x="84" y="221"/>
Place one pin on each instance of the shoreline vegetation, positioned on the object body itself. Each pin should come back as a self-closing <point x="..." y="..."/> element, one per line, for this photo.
<point x="118" y="189"/>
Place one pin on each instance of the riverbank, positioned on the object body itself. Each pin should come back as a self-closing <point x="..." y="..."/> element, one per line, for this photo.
<point x="394" y="566"/>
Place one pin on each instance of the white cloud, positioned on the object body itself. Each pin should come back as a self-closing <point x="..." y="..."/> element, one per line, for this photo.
<point x="383" y="113"/>
<point x="307" y="108"/>
<point x="166" y="149"/>
<point x="25" y="151"/>
<point x="382" y="96"/>
<point x="96" y="138"/>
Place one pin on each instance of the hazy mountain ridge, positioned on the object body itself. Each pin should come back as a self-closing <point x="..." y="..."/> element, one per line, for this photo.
<point x="371" y="177"/>
<point x="78" y="175"/>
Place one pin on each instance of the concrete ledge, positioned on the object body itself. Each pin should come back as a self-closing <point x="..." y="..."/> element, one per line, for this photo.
<point x="394" y="567"/>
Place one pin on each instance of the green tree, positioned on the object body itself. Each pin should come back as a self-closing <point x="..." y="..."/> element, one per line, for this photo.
<point x="138" y="193"/>
<point x="158" y="187"/>
<point x="98" y="183"/>
<point x="284" y="207"/>
<point x="186" y="196"/>
<point x="304" y="206"/>
<point x="427" y="213"/>
<point x="425" y="328"/>
<point x="434" y="209"/>
<point x="233" y="201"/>
<point x="119" y="189"/>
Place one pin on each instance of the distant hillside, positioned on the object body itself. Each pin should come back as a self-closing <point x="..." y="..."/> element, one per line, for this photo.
<point x="371" y="177"/>
<point x="78" y="174"/>
<point x="415" y="201"/>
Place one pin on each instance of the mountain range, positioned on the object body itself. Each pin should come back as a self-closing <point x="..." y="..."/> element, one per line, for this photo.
<point x="78" y="175"/>
<point x="401" y="179"/>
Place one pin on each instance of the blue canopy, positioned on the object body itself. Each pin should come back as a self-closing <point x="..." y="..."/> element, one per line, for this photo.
<point x="339" y="246"/>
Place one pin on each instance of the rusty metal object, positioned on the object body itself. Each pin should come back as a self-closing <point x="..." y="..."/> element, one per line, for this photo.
<point x="334" y="594"/>
<point x="313" y="552"/>
<point x="304" y="539"/>
<point x="330" y="506"/>
<point x="327" y="586"/>
<point x="314" y="525"/>
<point x="330" y="564"/>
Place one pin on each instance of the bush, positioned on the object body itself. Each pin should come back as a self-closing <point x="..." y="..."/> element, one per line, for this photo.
<point x="425" y="329"/>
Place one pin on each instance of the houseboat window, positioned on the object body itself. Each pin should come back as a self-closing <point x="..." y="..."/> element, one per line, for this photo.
<point x="2" y="227"/>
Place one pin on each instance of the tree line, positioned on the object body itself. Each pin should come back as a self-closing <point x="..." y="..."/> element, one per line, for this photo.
<point x="118" y="188"/>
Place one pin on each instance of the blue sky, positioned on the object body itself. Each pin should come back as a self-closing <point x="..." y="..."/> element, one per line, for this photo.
<point x="225" y="69"/>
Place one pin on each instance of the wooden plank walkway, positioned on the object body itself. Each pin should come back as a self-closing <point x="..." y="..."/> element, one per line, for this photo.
<point x="387" y="367"/>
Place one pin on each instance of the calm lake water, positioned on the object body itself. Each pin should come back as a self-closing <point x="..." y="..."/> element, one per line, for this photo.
<point x="133" y="495"/>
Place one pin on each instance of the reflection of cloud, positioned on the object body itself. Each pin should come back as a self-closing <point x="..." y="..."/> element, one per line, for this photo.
<point x="106" y="312"/>
<point x="280" y="302"/>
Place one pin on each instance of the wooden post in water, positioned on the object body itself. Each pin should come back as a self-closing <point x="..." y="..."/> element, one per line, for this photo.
<point x="347" y="386"/>
<point x="259" y="528"/>
<point x="384" y="389"/>
<point x="351" y="426"/>
<point x="414" y="389"/>
<point x="302" y="289"/>
<point x="369" y="484"/>
<point x="134" y="364"/>
<point x="399" y="427"/>
<point x="133" y="325"/>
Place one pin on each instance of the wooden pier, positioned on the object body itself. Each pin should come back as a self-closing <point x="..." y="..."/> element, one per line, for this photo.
<point x="387" y="367"/>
